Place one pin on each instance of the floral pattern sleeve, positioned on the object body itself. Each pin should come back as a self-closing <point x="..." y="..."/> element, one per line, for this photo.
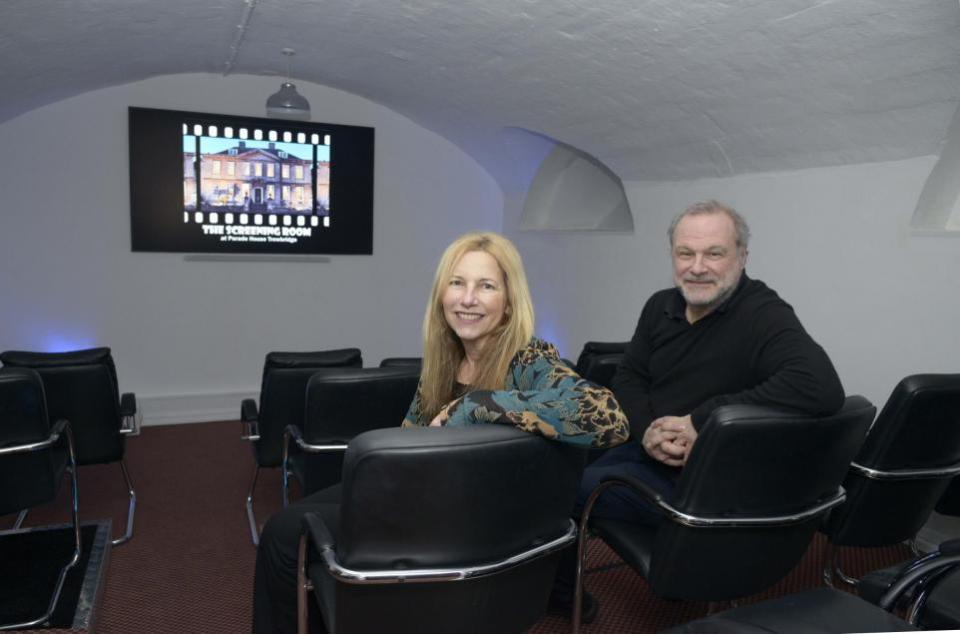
<point x="412" y="419"/>
<point x="544" y="396"/>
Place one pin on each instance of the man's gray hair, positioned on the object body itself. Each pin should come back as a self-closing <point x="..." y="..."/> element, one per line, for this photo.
<point x="740" y="227"/>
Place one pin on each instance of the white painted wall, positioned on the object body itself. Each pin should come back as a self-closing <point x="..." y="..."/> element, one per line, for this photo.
<point x="834" y="242"/>
<point x="189" y="337"/>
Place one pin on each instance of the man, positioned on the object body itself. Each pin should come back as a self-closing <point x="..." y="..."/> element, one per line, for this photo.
<point x="717" y="338"/>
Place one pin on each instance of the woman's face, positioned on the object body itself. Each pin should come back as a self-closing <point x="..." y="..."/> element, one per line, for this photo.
<point x="475" y="299"/>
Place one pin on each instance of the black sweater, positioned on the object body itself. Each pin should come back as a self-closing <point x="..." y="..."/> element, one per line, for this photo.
<point x="750" y="349"/>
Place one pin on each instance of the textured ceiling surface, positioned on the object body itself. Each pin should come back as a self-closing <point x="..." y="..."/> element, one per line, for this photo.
<point x="655" y="89"/>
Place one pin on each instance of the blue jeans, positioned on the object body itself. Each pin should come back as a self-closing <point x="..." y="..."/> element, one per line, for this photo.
<point x="621" y="503"/>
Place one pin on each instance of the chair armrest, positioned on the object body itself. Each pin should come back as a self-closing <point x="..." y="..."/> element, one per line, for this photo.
<point x="922" y="570"/>
<point x="130" y="421"/>
<point x="679" y="517"/>
<point x="60" y="428"/>
<point x="317" y="531"/>
<point x="296" y="434"/>
<point x="652" y="495"/>
<point x="249" y="416"/>
<point x="128" y="404"/>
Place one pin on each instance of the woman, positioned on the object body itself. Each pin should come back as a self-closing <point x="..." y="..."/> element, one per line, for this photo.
<point x="481" y="364"/>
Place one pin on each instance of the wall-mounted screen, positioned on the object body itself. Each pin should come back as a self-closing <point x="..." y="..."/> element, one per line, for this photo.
<point x="207" y="183"/>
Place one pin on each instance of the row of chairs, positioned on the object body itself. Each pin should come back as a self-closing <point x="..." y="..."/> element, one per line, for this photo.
<point x="891" y="470"/>
<point x="882" y="472"/>
<point x="900" y="472"/>
<point x="59" y="411"/>
<point x="311" y="405"/>
<point x="438" y="530"/>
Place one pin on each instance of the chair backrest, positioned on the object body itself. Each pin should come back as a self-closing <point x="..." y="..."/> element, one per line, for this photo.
<point x="918" y="428"/>
<point x="26" y="479"/>
<point x="598" y="361"/>
<point x="282" y="392"/>
<point x="80" y="386"/>
<point x="452" y="498"/>
<point x="395" y="362"/>
<point x="752" y="461"/>
<point x="342" y="403"/>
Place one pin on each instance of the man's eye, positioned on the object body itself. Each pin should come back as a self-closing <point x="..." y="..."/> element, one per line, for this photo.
<point x="716" y="255"/>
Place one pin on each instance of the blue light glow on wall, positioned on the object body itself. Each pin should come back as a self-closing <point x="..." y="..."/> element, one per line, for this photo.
<point x="548" y="330"/>
<point x="65" y="342"/>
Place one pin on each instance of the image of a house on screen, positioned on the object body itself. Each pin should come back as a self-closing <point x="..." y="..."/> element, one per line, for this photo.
<point x="255" y="176"/>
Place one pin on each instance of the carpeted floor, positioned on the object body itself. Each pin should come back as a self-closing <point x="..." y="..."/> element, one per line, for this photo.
<point x="189" y="567"/>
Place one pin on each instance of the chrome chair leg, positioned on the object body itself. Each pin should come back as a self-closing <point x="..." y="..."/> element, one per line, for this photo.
<point x="251" y="518"/>
<point x="831" y="567"/>
<point x="20" y="517"/>
<point x="304" y="586"/>
<point x="914" y="547"/>
<point x="131" y="506"/>
<point x="582" y="551"/>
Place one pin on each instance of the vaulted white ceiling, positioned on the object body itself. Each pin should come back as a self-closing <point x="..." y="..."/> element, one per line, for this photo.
<point x="655" y="89"/>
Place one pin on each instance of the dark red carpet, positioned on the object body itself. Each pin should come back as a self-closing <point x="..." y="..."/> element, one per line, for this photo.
<point x="189" y="567"/>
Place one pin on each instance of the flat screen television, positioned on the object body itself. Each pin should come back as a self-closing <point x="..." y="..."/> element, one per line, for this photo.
<point x="211" y="183"/>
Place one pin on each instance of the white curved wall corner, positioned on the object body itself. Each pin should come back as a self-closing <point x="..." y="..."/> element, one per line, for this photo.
<point x="573" y="191"/>
<point x="190" y="337"/>
<point x="938" y="208"/>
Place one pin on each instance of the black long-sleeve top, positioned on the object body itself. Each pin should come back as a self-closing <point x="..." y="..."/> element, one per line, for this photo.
<point x="750" y="349"/>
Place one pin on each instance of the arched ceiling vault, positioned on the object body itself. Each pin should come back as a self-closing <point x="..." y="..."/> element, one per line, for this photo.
<point x="655" y="89"/>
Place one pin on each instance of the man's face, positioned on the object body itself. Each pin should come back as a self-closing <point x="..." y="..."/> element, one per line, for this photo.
<point x="706" y="262"/>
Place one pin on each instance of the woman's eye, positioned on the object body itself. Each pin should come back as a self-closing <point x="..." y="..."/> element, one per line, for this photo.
<point x="456" y="283"/>
<point x="489" y="287"/>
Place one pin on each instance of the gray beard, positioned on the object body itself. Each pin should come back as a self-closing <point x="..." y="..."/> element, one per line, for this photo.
<point x="718" y="300"/>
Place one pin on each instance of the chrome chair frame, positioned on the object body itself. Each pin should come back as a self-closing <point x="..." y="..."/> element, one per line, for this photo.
<point x="673" y="514"/>
<point x="252" y="434"/>
<point x="831" y="560"/>
<point x="61" y="428"/>
<point x="294" y="432"/>
<point x="922" y="576"/>
<point x="422" y="575"/>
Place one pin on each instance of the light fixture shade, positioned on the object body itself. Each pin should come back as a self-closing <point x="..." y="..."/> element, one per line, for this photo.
<point x="287" y="103"/>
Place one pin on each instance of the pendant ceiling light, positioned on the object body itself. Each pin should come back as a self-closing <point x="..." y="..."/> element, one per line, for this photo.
<point x="287" y="103"/>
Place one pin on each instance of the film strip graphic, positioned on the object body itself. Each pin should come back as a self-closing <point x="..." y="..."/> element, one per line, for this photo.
<point x="276" y="182"/>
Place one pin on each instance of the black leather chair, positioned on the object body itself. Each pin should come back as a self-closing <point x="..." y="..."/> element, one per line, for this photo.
<point x="33" y="457"/>
<point x="907" y="460"/>
<point x="81" y="387"/>
<point x="396" y="362"/>
<point x="441" y="530"/>
<point x="598" y="361"/>
<point x="753" y="492"/>
<point x="949" y="502"/>
<point x="342" y="403"/>
<point x="930" y="585"/>
<point x="819" y="611"/>
<point x="282" y="390"/>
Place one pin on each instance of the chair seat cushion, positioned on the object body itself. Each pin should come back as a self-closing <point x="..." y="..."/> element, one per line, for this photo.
<point x="632" y="542"/>
<point x="820" y="611"/>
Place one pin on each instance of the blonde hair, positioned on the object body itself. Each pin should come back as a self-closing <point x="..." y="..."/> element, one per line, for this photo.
<point x="443" y="350"/>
